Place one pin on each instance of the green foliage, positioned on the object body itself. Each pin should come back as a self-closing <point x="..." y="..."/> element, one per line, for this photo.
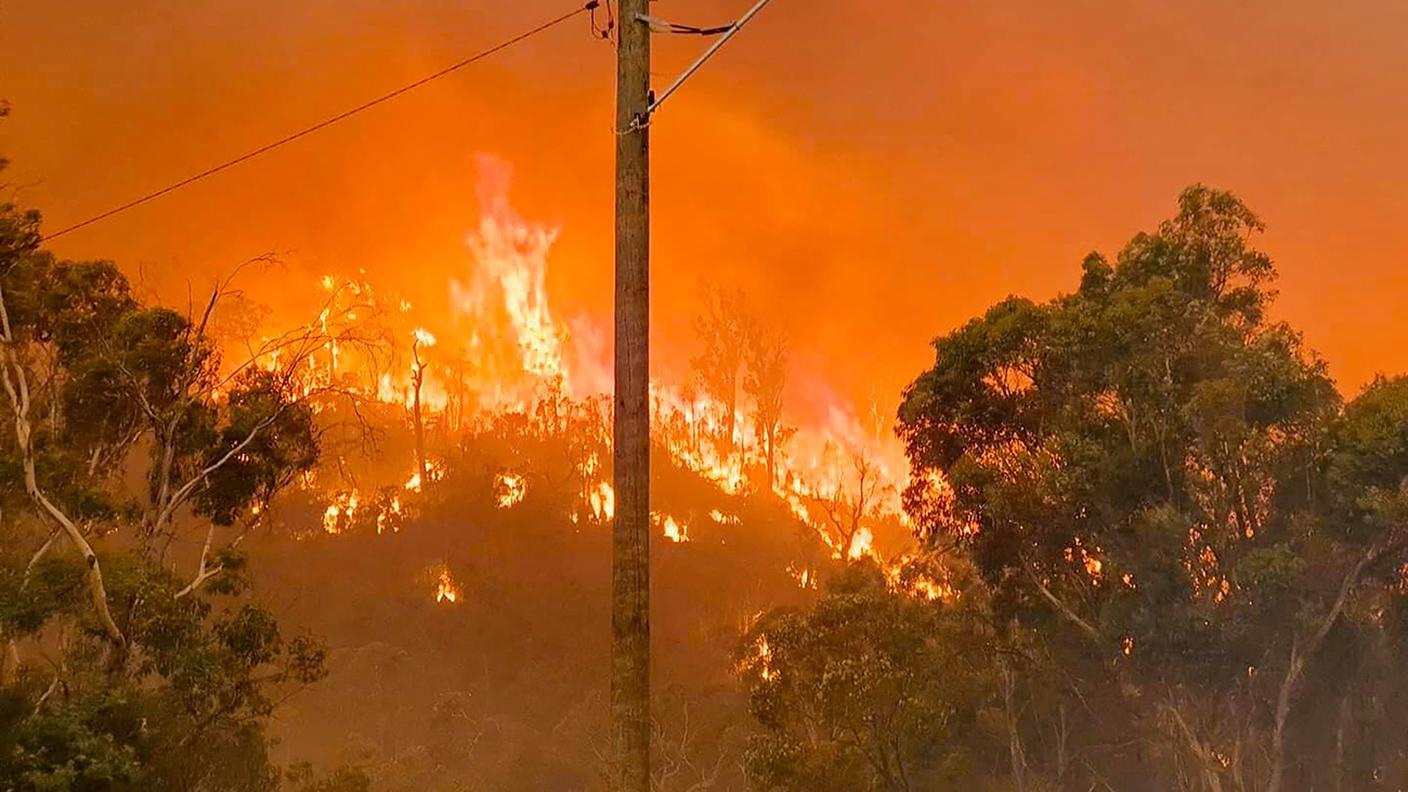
<point x="84" y="745"/>
<point x="1155" y="395"/>
<point x="1369" y="466"/>
<point x="1163" y="489"/>
<point x="185" y="711"/>
<point x="168" y="684"/>
<point x="284" y="444"/>
<point x="868" y="689"/>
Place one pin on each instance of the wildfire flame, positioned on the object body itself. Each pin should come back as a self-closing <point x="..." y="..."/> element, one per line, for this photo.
<point x="503" y="348"/>
<point x="385" y="519"/>
<point x="673" y="529"/>
<point x="602" y="500"/>
<point x="445" y="589"/>
<point x="805" y="577"/>
<point x="762" y="660"/>
<point x="341" y="512"/>
<point x="724" y="519"/>
<point x="509" y="490"/>
<point x="433" y="470"/>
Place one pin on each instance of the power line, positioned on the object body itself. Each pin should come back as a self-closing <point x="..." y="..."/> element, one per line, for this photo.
<point x="587" y="8"/>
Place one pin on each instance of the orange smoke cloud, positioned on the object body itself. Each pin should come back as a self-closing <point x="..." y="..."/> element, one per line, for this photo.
<point x="871" y="179"/>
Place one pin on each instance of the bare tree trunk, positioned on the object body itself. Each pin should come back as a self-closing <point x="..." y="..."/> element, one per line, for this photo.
<point x="1207" y="763"/>
<point x="9" y="662"/>
<point x="417" y="379"/>
<point x="1344" y="720"/>
<point x="731" y="420"/>
<point x="1283" y="713"/>
<point x="1016" y="753"/>
<point x="1300" y="650"/>
<point x="770" y="438"/>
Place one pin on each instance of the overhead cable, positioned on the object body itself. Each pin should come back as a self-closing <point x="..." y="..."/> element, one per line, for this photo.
<point x="211" y="171"/>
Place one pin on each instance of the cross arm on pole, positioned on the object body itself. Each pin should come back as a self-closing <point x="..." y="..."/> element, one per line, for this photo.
<point x="727" y="34"/>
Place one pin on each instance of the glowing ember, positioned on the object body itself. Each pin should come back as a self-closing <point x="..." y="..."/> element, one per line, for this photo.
<point x="1090" y="560"/>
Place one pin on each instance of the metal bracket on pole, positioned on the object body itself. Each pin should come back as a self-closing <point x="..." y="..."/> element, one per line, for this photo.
<point x="713" y="50"/>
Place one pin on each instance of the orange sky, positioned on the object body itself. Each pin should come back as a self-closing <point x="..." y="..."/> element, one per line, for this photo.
<point x="873" y="173"/>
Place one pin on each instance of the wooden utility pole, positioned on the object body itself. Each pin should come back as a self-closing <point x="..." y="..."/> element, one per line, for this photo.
<point x="630" y="561"/>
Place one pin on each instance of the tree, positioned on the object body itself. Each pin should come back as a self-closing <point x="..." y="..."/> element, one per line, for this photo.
<point x="764" y="380"/>
<point x="722" y="330"/>
<point x="154" y="679"/>
<point x="417" y="382"/>
<point x="849" y="504"/>
<point x="868" y="689"/>
<point x="1154" y="477"/>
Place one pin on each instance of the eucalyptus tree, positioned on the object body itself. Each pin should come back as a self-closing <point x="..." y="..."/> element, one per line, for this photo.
<point x="1161" y="484"/>
<point x="135" y="459"/>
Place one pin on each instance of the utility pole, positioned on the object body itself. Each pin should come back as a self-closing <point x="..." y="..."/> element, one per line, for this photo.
<point x="630" y="536"/>
<point x="630" y="559"/>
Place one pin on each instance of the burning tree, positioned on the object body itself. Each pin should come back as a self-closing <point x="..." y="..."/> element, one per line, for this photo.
<point x="722" y="328"/>
<point x="764" y="381"/>
<point x="850" y="503"/>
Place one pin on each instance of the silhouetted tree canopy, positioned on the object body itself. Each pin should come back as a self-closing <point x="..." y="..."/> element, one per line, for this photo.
<point x="1161" y="484"/>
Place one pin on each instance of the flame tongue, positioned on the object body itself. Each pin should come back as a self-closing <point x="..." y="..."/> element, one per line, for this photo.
<point x="446" y="591"/>
<point x="513" y="335"/>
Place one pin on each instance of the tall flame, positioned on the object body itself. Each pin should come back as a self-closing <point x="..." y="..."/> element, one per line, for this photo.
<point x="512" y="334"/>
<point x="504" y="350"/>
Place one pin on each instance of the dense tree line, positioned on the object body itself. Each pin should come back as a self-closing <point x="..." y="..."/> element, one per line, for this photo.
<point x="1184" y="553"/>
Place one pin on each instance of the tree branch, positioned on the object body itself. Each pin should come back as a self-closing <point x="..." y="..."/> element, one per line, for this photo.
<point x="17" y="388"/>
<point x="1075" y="618"/>
<point x="181" y="495"/>
<point x="203" y="572"/>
